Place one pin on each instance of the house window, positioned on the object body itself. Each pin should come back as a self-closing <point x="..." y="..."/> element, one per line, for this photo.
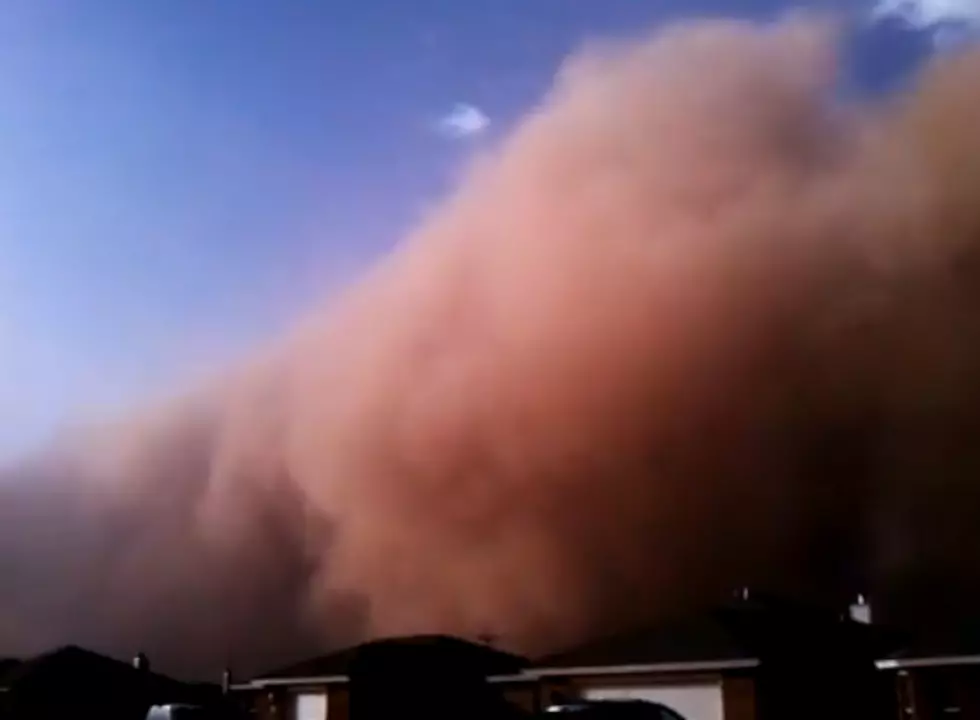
<point x="311" y="706"/>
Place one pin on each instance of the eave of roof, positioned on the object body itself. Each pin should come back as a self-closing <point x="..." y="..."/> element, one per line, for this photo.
<point x="680" y="668"/>
<point x="927" y="662"/>
<point x="691" y="667"/>
<point x="530" y="675"/>
<point x="717" y="641"/>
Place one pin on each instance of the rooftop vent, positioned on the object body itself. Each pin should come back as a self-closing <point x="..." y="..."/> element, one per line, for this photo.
<point x="860" y="610"/>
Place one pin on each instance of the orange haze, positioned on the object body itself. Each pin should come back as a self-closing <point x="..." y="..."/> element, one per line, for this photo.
<point x="697" y="323"/>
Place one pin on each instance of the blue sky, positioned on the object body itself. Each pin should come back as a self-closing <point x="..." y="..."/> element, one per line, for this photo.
<point x="178" y="176"/>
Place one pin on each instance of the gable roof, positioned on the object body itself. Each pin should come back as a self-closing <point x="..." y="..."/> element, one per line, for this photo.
<point x="436" y="652"/>
<point x="323" y="666"/>
<point x="72" y="673"/>
<point x="337" y="666"/>
<point x="785" y="631"/>
<point x="698" y="640"/>
<point x="941" y="645"/>
<point x="737" y="635"/>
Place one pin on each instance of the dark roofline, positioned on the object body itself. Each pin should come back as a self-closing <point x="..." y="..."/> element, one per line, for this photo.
<point x="334" y="667"/>
<point x="704" y="642"/>
<point x="686" y="667"/>
<point x="530" y="674"/>
<point x="71" y="660"/>
<point x="695" y="639"/>
<point x="681" y="668"/>
<point x="743" y="630"/>
<point x="716" y="641"/>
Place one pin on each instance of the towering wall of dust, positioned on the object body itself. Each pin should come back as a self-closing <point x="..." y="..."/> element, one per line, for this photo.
<point x="696" y="323"/>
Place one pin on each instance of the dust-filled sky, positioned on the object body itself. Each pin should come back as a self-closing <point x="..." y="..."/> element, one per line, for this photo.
<point x="177" y="178"/>
<point x="716" y="264"/>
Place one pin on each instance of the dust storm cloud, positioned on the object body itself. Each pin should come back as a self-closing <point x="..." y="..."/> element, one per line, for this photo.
<point x="696" y="323"/>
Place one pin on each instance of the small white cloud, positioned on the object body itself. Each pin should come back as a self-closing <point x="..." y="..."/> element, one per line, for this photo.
<point x="464" y="120"/>
<point x="944" y="19"/>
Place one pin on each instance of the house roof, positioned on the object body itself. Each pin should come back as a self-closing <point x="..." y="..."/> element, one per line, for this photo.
<point x="424" y="648"/>
<point x="437" y="651"/>
<point x="701" y="639"/>
<point x="71" y="671"/>
<point x="938" y="646"/>
<point x="331" y="665"/>
<point x="737" y="635"/>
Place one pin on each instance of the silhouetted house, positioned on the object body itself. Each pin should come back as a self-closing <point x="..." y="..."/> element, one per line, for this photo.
<point x="438" y="678"/>
<point x="427" y="674"/>
<point x="75" y="683"/>
<point x="813" y="663"/>
<point x="303" y="690"/>
<point x="752" y="660"/>
<point x="937" y="675"/>
<point x="693" y="665"/>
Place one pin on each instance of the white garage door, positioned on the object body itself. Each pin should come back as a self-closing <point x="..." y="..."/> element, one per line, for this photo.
<point x="311" y="706"/>
<point x="693" y="702"/>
